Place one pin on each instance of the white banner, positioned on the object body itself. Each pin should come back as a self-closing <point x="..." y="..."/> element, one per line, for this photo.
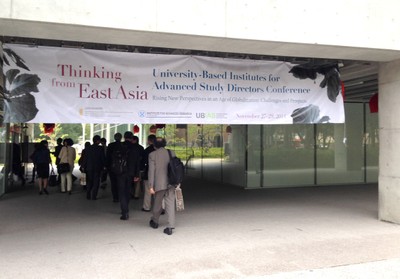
<point x="64" y="85"/>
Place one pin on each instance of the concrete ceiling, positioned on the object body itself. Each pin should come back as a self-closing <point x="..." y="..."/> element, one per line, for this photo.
<point x="54" y="31"/>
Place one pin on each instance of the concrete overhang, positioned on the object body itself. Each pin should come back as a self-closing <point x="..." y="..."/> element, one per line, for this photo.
<point x="80" y="33"/>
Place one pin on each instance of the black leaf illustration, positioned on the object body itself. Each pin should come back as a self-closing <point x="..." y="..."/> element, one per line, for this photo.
<point x="333" y="82"/>
<point x="302" y="72"/>
<point x="331" y="76"/>
<point x="22" y="84"/>
<point x="6" y="60"/>
<point x="19" y="103"/>
<point x="16" y="58"/>
<point x="20" y="109"/>
<point x="308" y="115"/>
<point x="11" y="74"/>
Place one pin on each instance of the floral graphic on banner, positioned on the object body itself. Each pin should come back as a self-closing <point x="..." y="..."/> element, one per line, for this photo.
<point x="19" y="103"/>
<point x="310" y="113"/>
<point x="329" y="71"/>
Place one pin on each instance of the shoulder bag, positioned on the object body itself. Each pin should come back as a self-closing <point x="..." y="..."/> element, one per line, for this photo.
<point x="63" y="167"/>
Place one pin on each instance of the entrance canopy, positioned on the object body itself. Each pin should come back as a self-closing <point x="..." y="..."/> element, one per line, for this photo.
<point x="61" y="85"/>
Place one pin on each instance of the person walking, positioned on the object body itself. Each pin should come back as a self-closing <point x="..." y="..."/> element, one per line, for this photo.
<point x="159" y="187"/>
<point x="80" y="163"/>
<point x="43" y="160"/>
<point x="32" y="157"/>
<point x="109" y="155"/>
<point x="56" y="153"/>
<point x="93" y="165"/>
<point x="129" y="175"/>
<point x="104" y="173"/>
<point x="67" y="155"/>
<point x="145" y="169"/>
<point x="137" y="185"/>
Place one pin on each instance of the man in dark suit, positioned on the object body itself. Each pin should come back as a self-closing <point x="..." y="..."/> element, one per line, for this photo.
<point x="137" y="184"/>
<point x="93" y="165"/>
<point x="130" y="175"/>
<point x="159" y="186"/>
<point x="145" y="169"/>
<point x="57" y="150"/>
<point x="113" y="177"/>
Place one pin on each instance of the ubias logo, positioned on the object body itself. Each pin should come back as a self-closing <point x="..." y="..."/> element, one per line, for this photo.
<point x="142" y="114"/>
<point x="206" y="115"/>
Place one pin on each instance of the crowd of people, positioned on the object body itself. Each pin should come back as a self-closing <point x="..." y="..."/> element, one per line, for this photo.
<point x="131" y="170"/>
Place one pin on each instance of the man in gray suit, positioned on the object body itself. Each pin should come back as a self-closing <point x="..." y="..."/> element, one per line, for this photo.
<point x="158" y="184"/>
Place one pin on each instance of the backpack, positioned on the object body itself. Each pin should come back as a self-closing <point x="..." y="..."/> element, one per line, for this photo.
<point x="176" y="170"/>
<point x="119" y="159"/>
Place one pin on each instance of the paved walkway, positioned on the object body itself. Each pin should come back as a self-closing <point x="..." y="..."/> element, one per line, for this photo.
<point x="225" y="232"/>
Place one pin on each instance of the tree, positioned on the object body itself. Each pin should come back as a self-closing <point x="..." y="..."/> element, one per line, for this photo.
<point x="73" y="131"/>
<point x="51" y="138"/>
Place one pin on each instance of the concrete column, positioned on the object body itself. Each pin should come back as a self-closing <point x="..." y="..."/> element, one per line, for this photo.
<point x="389" y="142"/>
<point x="91" y="132"/>
<point x="108" y="135"/>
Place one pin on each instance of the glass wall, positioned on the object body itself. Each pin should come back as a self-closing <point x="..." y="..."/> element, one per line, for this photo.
<point x="11" y="157"/>
<point x="193" y="145"/>
<point x="3" y="135"/>
<point x="371" y="144"/>
<point x="340" y="156"/>
<point x="234" y="163"/>
<point x="210" y="152"/>
<point x="4" y="157"/>
<point x="288" y="155"/>
<point x="300" y="155"/>
<point x="255" y="156"/>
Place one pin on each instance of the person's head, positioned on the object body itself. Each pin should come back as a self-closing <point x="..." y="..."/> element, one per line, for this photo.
<point x="160" y="142"/>
<point x="118" y="137"/>
<point x="135" y="139"/>
<point x="151" y="139"/>
<point x="103" y="141"/>
<point x="87" y="144"/>
<point x="44" y="143"/>
<point x="70" y="142"/>
<point x="128" y="136"/>
<point x="59" y="141"/>
<point x="96" y="139"/>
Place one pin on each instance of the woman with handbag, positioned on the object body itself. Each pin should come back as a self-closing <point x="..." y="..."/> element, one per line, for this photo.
<point x="67" y="160"/>
<point x="42" y="160"/>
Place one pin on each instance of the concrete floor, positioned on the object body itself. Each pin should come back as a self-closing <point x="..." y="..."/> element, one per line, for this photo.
<point x="225" y="232"/>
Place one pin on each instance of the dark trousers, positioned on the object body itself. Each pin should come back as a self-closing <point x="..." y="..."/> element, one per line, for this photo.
<point x="18" y="170"/>
<point x="124" y="189"/>
<point x="33" y="173"/>
<point x="93" y="183"/>
<point x="114" y="186"/>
